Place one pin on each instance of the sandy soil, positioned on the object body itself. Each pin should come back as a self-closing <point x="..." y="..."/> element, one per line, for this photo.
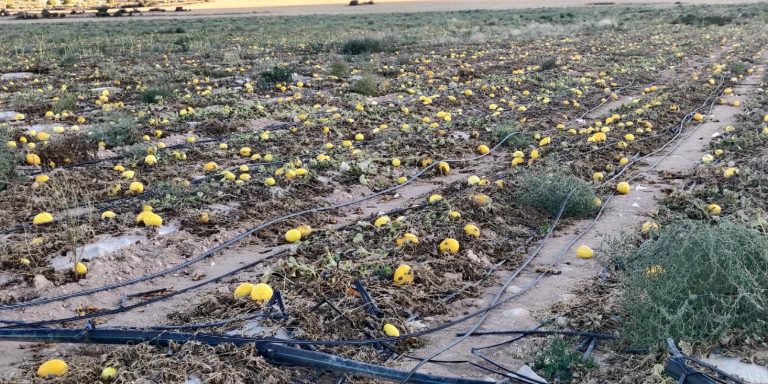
<point x="243" y="8"/>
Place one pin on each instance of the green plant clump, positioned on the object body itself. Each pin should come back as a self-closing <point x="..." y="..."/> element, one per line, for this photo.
<point x="547" y="191"/>
<point x="695" y="282"/>
<point x="364" y="45"/>
<point x="7" y="162"/>
<point x="559" y="362"/>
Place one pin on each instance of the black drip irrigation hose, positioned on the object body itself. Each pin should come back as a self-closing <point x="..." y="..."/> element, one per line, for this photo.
<point x="274" y="353"/>
<point x="594" y="335"/>
<point x="684" y="374"/>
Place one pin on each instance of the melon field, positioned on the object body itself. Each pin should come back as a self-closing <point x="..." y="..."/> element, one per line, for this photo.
<point x="563" y="195"/>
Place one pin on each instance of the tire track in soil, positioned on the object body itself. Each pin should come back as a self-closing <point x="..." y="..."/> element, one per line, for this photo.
<point x="622" y="214"/>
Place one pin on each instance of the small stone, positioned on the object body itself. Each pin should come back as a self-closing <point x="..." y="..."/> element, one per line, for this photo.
<point x="527" y="372"/>
<point x="517" y="313"/>
<point x="513" y="289"/>
<point x="42" y="283"/>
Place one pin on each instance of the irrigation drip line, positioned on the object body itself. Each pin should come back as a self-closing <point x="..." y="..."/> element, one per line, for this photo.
<point x="678" y="369"/>
<point x="273" y="353"/>
<point x="594" y="335"/>
<point x="476" y="352"/>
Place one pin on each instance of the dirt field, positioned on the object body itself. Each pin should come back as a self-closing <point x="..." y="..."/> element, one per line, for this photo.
<point x="531" y="195"/>
<point x="241" y="8"/>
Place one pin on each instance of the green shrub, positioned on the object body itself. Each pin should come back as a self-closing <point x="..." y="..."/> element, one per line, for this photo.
<point x="29" y="101"/>
<point x="695" y="282"/>
<point x="548" y="64"/>
<point x="364" y="45"/>
<point x="367" y="86"/>
<point x="8" y="161"/>
<point x="517" y="141"/>
<point x="547" y="191"/>
<point x="67" y="102"/>
<point x="117" y="129"/>
<point x="558" y="361"/>
<point x="691" y="19"/>
<point x="155" y="94"/>
<point x="275" y="75"/>
<point x="339" y="68"/>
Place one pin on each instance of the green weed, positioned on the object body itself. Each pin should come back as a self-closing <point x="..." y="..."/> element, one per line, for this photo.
<point x="547" y="191"/>
<point x="695" y="282"/>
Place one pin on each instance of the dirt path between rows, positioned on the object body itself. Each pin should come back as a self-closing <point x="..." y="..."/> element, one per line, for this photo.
<point x="622" y="214"/>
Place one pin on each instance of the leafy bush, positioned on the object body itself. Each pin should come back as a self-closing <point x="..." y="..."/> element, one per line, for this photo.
<point x="517" y="141"/>
<point x="29" y="101"/>
<point x="695" y="282"/>
<point x="366" y="86"/>
<point x="117" y="129"/>
<point x="364" y="45"/>
<point x="67" y="102"/>
<point x="102" y="11"/>
<point x="548" y="64"/>
<point x="8" y="162"/>
<point x="69" y="149"/>
<point x="274" y="76"/>
<point x="155" y="94"/>
<point x="339" y="68"/>
<point x="547" y="191"/>
<point x="558" y="361"/>
<point x="691" y="19"/>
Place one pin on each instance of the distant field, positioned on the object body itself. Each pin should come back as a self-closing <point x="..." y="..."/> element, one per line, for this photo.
<point x="341" y="7"/>
<point x="297" y="7"/>
<point x="359" y="182"/>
